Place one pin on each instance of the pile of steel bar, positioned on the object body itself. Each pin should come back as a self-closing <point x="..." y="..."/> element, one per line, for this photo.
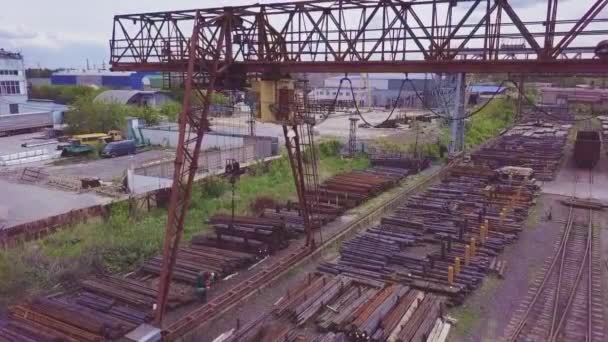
<point x="338" y="194"/>
<point x="269" y="231"/>
<point x="100" y="291"/>
<point x="192" y="261"/>
<point x="55" y="319"/>
<point x="445" y="221"/>
<point x="101" y="308"/>
<point x="535" y="145"/>
<point x="232" y="243"/>
<point x="344" y="309"/>
<point x="541" y="114"/>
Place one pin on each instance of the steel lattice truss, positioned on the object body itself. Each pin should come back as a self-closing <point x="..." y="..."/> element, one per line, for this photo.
<point x="366" y="36"/>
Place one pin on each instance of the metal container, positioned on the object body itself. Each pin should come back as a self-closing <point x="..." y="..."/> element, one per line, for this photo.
<point x="587" y="148"/>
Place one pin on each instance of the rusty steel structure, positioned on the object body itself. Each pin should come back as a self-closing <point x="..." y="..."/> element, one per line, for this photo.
<point x="217" y="48"/>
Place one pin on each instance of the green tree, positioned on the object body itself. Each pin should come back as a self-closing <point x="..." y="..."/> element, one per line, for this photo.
<point x="63" y="94"/>
<point x="171" y="109"/>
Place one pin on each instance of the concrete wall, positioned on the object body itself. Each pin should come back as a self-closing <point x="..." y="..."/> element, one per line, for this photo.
<point x="170" y="138"/>
<point x="209" y="162"/>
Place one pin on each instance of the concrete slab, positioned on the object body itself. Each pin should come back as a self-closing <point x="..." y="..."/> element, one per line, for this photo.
<point x="573" y="180"/>
<point x="20" y="203"/>
<point x="107" y="169"/>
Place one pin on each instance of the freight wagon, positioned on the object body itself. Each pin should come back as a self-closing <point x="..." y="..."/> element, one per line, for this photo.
<point x="587" y="148"/>
<point x="19" y="123"/>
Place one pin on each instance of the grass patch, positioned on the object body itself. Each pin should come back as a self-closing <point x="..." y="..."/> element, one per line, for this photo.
<point x="469" y="315"/>
<point x="125" y="239"/>
<point x="467" y="320"/>
<point x="535" y="214"/>
<point x="489" y="122"/>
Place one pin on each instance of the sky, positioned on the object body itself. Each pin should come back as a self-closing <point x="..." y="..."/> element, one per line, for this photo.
<point x="65" y="33"/>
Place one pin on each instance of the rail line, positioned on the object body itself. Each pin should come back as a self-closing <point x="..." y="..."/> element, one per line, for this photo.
<point x="565" y="303"/>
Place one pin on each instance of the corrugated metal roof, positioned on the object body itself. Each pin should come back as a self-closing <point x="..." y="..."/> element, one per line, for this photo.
<point x="120" y="96"/>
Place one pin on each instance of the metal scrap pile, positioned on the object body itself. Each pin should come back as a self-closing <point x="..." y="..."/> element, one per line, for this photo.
<point x="534" y="145"/>
<point x="470" y="217"/>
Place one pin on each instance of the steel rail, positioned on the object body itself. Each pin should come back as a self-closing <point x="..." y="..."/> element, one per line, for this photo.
<point x="548" y="273"/>
<point x="585" y="262"/>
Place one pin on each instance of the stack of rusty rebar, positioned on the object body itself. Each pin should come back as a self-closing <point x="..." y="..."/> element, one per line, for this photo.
<point x="49" y="319"/>
<point x="194" y="260"/>
<point x="539" y="146"/>
<point x="269" y="231"/>
<point x="103" y="292"/>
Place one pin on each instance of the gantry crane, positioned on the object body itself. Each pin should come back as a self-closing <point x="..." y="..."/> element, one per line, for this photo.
<point x="222" y="48"/>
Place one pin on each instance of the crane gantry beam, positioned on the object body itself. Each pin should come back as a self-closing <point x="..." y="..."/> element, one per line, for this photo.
<point x="368" y="36"/>
<point x="211" y="46"/>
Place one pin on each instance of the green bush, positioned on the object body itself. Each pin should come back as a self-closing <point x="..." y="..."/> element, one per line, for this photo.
<point x="64" y="94"/>
<point x="492" y="119"/>
<point x="213" y="187"/>
<point x="330" y="148"/>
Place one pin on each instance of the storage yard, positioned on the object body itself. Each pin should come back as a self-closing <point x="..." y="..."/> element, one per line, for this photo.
<point x="428" y="172"/>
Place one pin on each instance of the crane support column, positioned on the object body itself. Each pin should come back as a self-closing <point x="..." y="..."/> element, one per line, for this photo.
<point x="458" y="115"/>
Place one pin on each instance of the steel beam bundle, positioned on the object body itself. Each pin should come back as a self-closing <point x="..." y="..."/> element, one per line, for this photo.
<point x="539" y="146"/>
<point x="353" y="311"/>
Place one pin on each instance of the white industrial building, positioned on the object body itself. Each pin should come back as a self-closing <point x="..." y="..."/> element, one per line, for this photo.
<point x="13" y="84"/>
<point x="375" y="89"/>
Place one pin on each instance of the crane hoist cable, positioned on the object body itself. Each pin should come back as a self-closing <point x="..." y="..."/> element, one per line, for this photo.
<point x="447" y="118"/>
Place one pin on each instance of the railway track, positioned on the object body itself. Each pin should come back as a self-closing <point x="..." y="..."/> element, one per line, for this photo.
<point x="565" y="302"/>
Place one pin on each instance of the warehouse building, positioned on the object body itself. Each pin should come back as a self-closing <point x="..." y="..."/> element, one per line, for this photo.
<point x="376" y="90"/>
<point x="103" y="78"/>
<point x="138" y="98"/>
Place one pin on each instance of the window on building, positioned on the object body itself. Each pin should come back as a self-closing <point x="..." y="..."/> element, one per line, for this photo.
<point x="341" y="93"/>
<point x="9" y="72"/>
<point x="10" y="88"/>
<point x="348" y="93"/>
<point x="334" y="93"/>
<point x="13" y="108"/>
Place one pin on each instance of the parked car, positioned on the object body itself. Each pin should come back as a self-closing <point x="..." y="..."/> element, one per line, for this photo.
<point x="119" y="148"/>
